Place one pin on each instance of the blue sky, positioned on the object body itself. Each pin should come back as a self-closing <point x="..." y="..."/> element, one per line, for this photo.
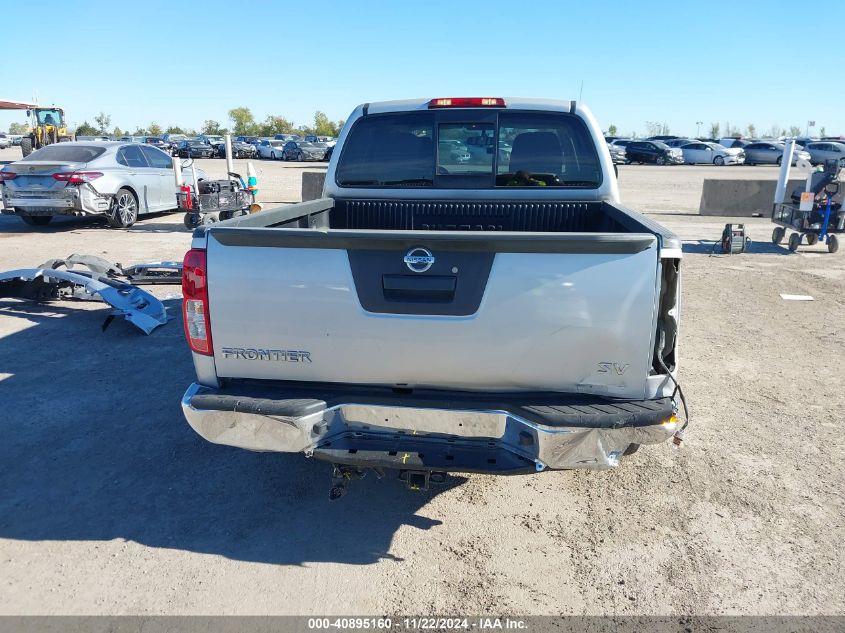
<point x="676" y="62"/>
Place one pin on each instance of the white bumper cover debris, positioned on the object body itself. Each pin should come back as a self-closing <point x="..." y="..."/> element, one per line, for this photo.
<point x="134" y="304"/>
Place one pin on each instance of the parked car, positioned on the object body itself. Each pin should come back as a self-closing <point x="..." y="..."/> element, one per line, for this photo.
<point x="622" y="142"/>
<point x="5" y="142"/>
<point x="287" y="137"/>
<point x="252" y="140"/>
<point x="480" y="147"/>
<point x="617" y="154"/>
<point x="155" y="141"/>
<point x="711" y="154"/>
<point x="271" y="148"/>
<point x="212" y="139"/>
<point x="311" y="138"/>
<point x="822" y="152"/>
<point x="172" y="141"/>
<point x="239" y="150"/>
<point x="678" y="142"/>
<point x="300" y="150"/>
<point x="655" y="152"/>
<point x="662" y="137"/>
<point x="733" y="142"/>
<point x="114" y="179"/>
<point x="453" y="152"/>
<point x="433" y="313"/>
<point x="194" y="148"/>
<point x="770" y="153"/>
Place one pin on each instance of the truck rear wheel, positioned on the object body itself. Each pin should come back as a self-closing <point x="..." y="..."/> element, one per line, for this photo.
<point x="36" y="220"/>
<point x="26" y="146"/>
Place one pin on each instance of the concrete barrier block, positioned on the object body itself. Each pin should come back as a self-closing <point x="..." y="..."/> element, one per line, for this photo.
<point x="312" y="185"/>
<point x="740" y="198"/>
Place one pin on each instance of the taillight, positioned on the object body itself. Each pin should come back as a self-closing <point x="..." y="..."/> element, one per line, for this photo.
<point x="77" y="177"/>
<point x="7" y="175"/>
<point x="195" y="310"/>
<point x="467" y="102"/>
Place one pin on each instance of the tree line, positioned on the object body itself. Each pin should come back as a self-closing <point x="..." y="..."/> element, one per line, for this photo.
<point x="654" y="128"/>
<point x="243" y="123"/>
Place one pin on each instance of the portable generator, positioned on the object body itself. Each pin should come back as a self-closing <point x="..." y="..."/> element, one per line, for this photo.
<point x="733" y="239"/>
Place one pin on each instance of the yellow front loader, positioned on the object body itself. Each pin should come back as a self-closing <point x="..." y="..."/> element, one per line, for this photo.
<point x="46" y="125"/>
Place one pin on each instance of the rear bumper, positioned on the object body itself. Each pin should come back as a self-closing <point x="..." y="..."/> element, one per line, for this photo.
<point x="82" y="200"/>
<point x="442" y="431"/>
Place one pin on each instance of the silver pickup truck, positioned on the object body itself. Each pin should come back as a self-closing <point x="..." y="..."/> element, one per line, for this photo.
<point x="468" y="295"/>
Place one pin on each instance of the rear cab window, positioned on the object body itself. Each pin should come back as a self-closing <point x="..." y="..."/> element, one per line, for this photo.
<point x="469" y="148"/>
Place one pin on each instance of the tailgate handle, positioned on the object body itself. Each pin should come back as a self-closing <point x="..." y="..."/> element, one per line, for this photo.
<point x="429" y="288"/>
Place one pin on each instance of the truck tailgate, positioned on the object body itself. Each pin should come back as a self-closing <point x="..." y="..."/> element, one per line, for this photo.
<point x="571" y="312"/>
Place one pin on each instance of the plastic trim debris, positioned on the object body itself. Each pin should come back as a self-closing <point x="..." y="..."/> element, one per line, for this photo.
<point x="137" y="274"/>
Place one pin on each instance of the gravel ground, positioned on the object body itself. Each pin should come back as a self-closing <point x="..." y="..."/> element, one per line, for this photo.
<point x="112" y="505"/>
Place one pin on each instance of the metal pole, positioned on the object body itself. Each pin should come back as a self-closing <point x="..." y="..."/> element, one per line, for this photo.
<point x="196" y="185"/>
<point x="783" y="177"/>
<point x="230" y="167"/>
<point x="177" y="172"/>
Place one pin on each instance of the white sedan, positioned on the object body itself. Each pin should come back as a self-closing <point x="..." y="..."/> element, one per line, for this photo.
<point x="712" y="154"/>
<point x="271" y="148"/>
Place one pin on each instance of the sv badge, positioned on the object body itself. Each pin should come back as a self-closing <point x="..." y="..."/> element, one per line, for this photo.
<point x="613" y="368"/>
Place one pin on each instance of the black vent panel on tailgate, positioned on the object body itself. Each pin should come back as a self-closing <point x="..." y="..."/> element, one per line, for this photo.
<point x="456" y="215"/>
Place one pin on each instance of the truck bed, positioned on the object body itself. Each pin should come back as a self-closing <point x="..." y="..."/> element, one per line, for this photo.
<point x="456" y="215"/>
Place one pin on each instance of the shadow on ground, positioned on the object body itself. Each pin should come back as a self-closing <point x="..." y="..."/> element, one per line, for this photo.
<point x="11" y="224"/>
<point x="95" y="448"/>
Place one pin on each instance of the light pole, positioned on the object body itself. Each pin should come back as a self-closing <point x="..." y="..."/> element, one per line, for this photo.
<point x="698" y="128"/>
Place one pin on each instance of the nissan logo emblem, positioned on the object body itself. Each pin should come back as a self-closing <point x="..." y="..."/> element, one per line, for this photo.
<point x="419" y="259"/>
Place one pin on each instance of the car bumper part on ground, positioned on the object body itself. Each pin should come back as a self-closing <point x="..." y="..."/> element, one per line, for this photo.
<point x="137" y="306"/>
<point x="430" y="431"/>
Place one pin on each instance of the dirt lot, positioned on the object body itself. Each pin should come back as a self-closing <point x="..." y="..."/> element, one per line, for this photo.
<point x="111" y="504"/>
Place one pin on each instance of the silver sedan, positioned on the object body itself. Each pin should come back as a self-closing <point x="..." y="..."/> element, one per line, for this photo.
<point x="770" y="153"/>
<point x="271" y="148"/>
<point x="824" y="151"/>
<point x="117" y="180"/>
